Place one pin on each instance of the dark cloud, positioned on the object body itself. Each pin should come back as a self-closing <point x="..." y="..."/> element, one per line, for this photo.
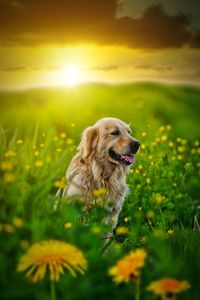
<point x="159" y="68"/>
<point x="53" y="67"/>
<point x="103" y="68"/>
<point x="14" y="69"/>
<point x="32" y="22"/>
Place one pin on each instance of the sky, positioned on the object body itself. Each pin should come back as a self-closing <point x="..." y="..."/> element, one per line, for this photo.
<point x="64" y="42"/>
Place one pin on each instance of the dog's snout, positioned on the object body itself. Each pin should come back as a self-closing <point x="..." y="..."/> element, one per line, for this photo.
<point x="134" y="145"/>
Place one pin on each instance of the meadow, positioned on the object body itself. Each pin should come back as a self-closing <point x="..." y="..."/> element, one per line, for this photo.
<point x="39" y="132"/>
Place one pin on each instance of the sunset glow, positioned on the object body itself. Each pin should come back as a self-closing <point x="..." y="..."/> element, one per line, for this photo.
<point x="69" y="75"/>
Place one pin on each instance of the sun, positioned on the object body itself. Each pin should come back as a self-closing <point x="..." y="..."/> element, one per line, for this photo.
<point x="70" y="75"/>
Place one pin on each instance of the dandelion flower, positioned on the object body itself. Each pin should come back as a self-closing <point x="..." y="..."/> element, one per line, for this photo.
<point x="69" y="141"/>
<point x="148" y="180"/>
<point x="164" y="138"/>
<point x="61" y="184"/>
<point x="6" y="166"/>
<point x="36" y="153"/>
<point x="63" y="135"/>
<point x="170" y="232"/>
<point x="121" y="230"/>
<point x="53" y="255"/>
<point x="19" y="142"/>
<point x="18" y="222"/>
<point x="9" y="177"/>
<point x="167" y="287"/>
<point x="159" y="198"/>
<point x="68" y="225"/>
<point x="39" y="163"/>
<point x="10" y="153"/>
<point x="99" y="192"/>
<point x="144" y="133"/>
<point x="9" y="228"/>
<point x="128" y="267"/>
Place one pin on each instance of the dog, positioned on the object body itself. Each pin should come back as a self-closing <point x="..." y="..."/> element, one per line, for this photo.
<point x="105" y="154"/>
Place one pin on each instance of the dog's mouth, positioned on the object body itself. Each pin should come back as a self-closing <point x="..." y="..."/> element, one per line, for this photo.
<point x="123" y="159"/>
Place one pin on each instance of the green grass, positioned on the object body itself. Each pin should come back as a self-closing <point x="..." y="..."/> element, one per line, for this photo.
<point x="49" y="122"/>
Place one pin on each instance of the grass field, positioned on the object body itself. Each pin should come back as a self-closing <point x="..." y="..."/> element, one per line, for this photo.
<point x="39" y="132"/>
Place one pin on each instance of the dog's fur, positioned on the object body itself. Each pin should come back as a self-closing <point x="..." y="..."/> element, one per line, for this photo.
<point x="93" y="168"/>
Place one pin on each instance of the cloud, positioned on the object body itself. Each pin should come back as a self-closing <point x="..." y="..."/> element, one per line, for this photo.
<point x="52" y="67"/>
<point x="159" y="68"/>
<point x="36" y="22"/>
<point x="103" y="68"/>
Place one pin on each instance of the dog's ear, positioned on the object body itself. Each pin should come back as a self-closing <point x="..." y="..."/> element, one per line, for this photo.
<point x="88" y="142"/>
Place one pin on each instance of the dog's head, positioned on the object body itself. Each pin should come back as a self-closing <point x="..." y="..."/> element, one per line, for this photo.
<point x="109" y="139"/>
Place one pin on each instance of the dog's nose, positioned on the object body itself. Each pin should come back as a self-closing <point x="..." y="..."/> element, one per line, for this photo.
<point x="135" y="145"/>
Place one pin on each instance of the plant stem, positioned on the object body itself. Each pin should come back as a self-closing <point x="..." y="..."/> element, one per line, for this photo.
<point x="53" y="290"/>
<point x="137" y="291"/>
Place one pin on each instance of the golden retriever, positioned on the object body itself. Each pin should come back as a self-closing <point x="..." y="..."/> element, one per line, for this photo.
<point x="104" y="157"/>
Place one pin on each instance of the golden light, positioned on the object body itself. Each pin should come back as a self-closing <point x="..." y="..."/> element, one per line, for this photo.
<point x="70" y="75"/>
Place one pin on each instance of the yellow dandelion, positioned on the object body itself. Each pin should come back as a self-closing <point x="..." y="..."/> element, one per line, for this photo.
<point x="10" y="153"/>
<point x="178" y="139"/>
<point x="9" y="177"/>
<point x="68" y="225"/>
<point x="19" y="142"/>
<point x="6" y="166"/>
<point x="128" y="267"/>
<point x="183" y="142"/>
<point x="39" y="163"/>
<point x="180" y="149"/>
<point x="53" y="255"/>
<point x="193" y="151"/>
<point x="159" y="198"/>
<point x="143" y="146"/>
<point x="168" y="127"/>
<point x="168" y="286"/>
<point x="162" y="128"/>
<point x="196" y="143"/>
<point x="144" y="134"/>
<point x="69" y="141"/>
<point x="96" y="229"/>
<point x="148" y="180"/>
<point x="164" y="137"/>
<point x="150" y="157"/>
<point x="126" y="219"/>
<point x="121" y="230"/>
<point x="42" y="145"/>
<point x="59" y="150"/>
<point x="63" y="135"/>
<point x="157" y="140"/>
<point x="179" y="157"/>
<point x="9" y="228"/>
<point x="170" y="232"/>
<point x="99" y="192"/>
<point x="171" y="144"/>
<point x="150" y="213"/>
<point x="140" y="167"/>
<point x="153" y="144"/>
<point x="61" y="184"/>
<point x="18" y="222"/>
<point x="36" y="153"/>
<point x="72" y="125"/>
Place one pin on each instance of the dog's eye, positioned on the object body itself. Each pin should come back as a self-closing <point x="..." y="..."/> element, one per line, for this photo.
<point x="115" y="132"/>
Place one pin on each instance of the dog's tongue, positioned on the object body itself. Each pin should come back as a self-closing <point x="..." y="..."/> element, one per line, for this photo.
<point x="130" y="159"/>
